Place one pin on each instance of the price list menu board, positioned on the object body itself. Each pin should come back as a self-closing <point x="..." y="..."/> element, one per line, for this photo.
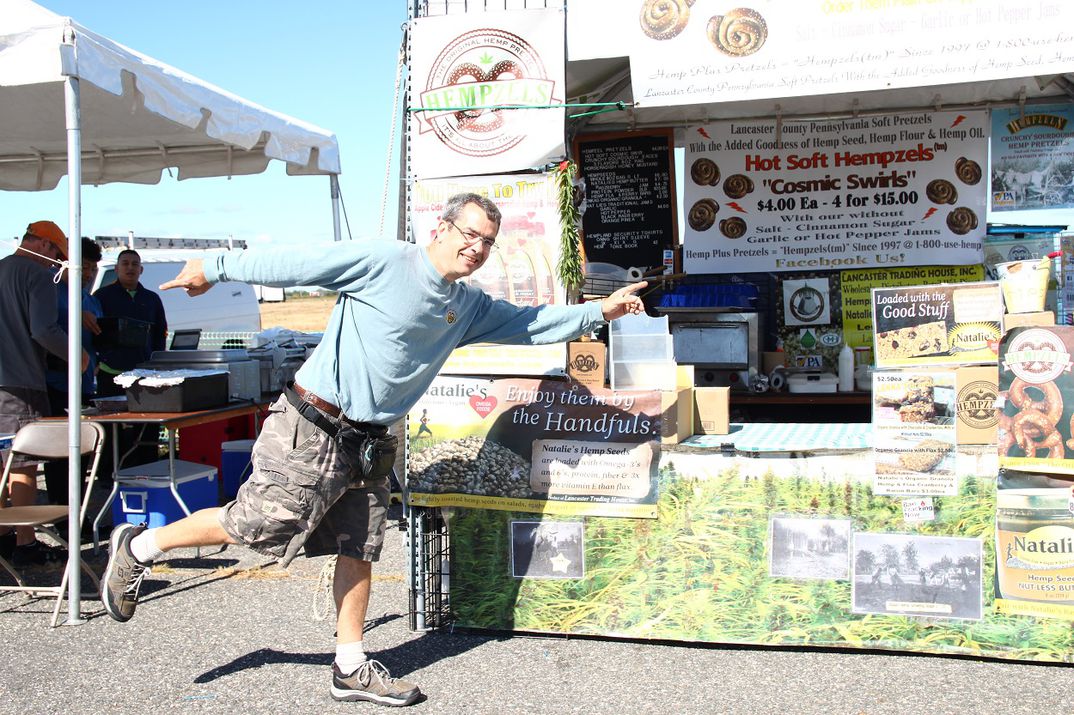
<point x="629" y="217"/>
<point x="878" y="191"/>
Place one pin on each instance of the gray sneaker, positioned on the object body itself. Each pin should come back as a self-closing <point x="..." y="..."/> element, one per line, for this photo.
<point x="123" y="575"/>
<point x="373" y="683"/>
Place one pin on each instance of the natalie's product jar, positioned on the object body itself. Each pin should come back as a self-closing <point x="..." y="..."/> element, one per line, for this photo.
<point x="1035" y="545"/>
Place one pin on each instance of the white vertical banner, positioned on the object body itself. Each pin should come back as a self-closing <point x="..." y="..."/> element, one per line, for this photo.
<point x="469" y="73"/>
<point x="522" y="269"/>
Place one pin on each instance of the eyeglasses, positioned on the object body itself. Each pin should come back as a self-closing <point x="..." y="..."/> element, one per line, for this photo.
<point x="472" y="237"/>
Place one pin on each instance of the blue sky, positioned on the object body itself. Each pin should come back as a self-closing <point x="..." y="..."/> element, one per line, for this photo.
<point x="327" y="62"/>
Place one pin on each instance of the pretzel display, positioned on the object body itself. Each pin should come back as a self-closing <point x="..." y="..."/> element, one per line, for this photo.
<point x="1034" y="424"/>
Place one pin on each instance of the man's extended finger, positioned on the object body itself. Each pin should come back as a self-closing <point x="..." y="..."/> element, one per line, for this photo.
<point x="633" y="288"/>
<point x="172" y="284"/>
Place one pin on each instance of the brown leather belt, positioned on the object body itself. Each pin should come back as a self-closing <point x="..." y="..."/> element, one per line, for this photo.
<point x="323" y="405"/>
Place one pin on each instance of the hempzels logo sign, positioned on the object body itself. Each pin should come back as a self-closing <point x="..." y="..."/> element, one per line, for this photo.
<point x="473" y="87"/>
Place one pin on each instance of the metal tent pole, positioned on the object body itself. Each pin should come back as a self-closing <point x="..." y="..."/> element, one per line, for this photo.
<point x="71" y="101"/>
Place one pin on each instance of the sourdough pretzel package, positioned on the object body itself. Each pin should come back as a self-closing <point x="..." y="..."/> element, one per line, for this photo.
<point x="950" y="324"/>
<point x="1035" y="406"/>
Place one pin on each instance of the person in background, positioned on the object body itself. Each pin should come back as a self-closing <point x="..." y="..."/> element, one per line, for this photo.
<point x="56" y="483"/>
<point x="322" y="461"/>
<point x="128" y="298"/>
<point x="28" y="331"/>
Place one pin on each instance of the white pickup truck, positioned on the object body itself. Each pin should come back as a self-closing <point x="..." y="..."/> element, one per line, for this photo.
<point x="228" y="307"/>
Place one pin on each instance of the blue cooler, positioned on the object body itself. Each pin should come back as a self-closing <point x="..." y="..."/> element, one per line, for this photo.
<point x="235" y="465"/>
<point x="145" y="493"/>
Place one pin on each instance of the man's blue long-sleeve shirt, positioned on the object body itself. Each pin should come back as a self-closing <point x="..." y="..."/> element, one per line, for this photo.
<point x="396" y="320"/>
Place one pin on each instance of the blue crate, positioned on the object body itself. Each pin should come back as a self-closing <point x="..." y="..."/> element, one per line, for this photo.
<point x="235" y="465"/>
<point x="144" y="494"/>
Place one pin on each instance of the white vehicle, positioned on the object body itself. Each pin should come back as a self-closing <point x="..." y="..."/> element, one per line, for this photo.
<point x="228" y="307"/>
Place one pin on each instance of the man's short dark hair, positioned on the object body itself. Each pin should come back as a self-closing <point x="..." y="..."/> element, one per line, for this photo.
<point x="90" y="250"/>
<point x="455" y="204"/>
<point x="128" y="251"/>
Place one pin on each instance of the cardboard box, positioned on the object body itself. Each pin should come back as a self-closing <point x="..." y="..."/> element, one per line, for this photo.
<point x="975" y="397"/>
<point x="676" y="415"/>
<point x="711" y="408"/>
<point x="771" y="360"/>
<point x="684" y="376"/>
<point x="1021" y="320"/>
<point x="586" y="361"/>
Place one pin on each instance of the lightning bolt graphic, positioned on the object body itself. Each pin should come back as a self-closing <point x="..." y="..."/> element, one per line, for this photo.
<point x="702" y="132"/>
<point x="958" y="120"/>
<point x="736" y="207"/>
<point x="928" y="213"/>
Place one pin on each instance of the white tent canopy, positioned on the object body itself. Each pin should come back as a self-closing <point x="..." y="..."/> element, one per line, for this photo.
<point x="140" y="115"/>
<point x="74" y="102"/>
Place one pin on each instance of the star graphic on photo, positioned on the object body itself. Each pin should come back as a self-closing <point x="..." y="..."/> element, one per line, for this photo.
<point x="560" y="563"/>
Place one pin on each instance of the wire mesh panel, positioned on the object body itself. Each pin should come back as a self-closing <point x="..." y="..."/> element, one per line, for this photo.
<point x="430" y="549"/>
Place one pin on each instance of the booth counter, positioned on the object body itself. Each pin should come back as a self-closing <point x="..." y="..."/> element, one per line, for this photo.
<point x="753" y="545"/>
<point x="788" y="534"/>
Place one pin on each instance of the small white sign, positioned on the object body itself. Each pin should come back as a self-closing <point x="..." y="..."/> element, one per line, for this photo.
<point x="918" y="509"/>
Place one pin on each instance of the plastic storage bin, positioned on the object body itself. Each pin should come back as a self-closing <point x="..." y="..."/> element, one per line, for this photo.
<point x="235" y="465"/>
<point x="144" y="492"/>
<point x="194" y="393"/>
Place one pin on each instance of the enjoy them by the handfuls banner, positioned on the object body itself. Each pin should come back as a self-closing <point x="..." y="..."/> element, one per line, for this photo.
<point x="893" y="190"/>
<point x="541" y="446"/>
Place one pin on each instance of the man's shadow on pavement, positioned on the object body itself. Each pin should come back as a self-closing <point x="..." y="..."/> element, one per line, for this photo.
<point x="413" y="655"/>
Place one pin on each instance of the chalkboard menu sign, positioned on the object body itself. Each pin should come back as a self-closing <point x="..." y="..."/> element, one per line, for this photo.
<point x="629" y="217"/>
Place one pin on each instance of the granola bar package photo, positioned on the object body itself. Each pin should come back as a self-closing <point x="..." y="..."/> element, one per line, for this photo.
<point x="937" y="324"/>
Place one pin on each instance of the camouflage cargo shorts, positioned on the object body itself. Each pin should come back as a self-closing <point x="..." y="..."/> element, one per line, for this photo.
<point x="305" y="490"/>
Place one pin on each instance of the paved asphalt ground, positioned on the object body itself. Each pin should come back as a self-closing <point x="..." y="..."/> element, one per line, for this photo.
<point x="231" y="633"/>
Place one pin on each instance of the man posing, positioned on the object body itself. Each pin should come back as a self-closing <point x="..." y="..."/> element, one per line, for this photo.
<point x="401" y="312"/>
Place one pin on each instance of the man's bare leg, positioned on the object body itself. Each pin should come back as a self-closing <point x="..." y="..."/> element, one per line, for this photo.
<point x="202" y="528"/>
<point x="350" y="588"/>
<point x="22" y="483"/>
<point x="356" y="677"/>
<point x="133" y="549"/>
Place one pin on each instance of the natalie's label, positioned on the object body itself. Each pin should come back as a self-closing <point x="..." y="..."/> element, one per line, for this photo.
<point x="1037" y="565"/>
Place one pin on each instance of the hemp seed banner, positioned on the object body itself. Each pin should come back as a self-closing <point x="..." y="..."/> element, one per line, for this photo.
<point x="542" y="446"/>
<point x="473" y="77"/>
<point x="892" y="190"/>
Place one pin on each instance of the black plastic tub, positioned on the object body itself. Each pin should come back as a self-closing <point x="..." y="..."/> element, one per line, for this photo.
<point x="193" y="393"/>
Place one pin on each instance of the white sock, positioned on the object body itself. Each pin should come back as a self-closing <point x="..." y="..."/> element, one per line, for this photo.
<point x="349" y="656"/>
<point x="144" y="547"/>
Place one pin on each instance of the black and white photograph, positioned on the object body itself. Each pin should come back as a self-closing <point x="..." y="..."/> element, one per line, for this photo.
<point x="809" y="549"/>
<point x="912" y="575"/>
<point x="547" y="549"/>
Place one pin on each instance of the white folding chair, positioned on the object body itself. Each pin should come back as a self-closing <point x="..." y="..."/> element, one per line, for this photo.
<point x="46" y="440"/>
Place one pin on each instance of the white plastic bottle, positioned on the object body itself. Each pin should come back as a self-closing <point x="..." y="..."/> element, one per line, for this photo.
<point x="846" y="369"/>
